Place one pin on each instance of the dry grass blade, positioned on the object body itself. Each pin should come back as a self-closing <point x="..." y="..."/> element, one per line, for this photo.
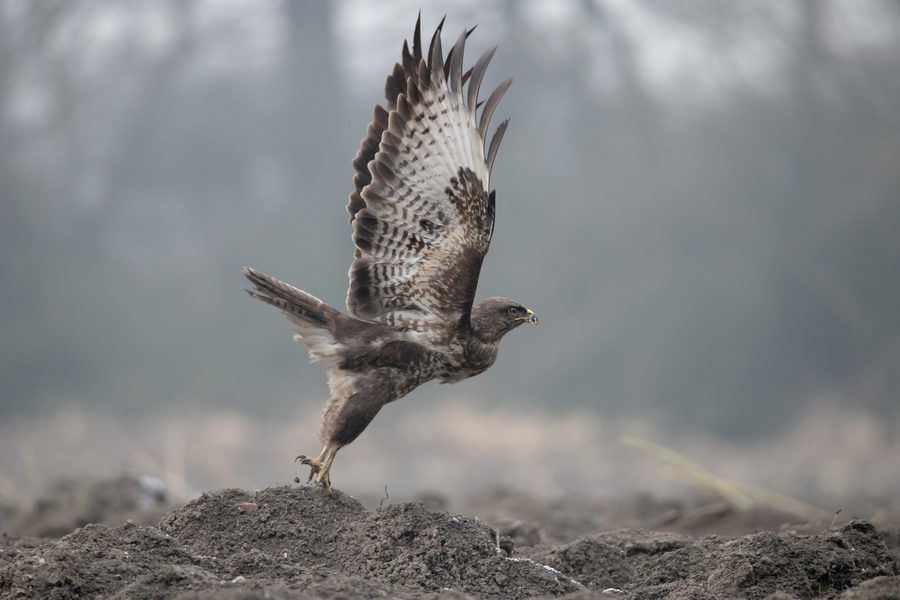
<point x="741" y="495"/>
<point x="781" y="502"/>
<point x="686" y="465"/>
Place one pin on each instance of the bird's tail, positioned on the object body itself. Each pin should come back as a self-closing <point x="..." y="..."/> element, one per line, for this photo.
<point x="300" y="307"/>
<point x="312" y="320"/>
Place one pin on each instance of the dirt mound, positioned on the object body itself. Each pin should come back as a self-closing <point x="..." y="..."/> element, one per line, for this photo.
<point x="301" y="543"/>
<point x="666" y="565"/>
<point x="304" y="536"/>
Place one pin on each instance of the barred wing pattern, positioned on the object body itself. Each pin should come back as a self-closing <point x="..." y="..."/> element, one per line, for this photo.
<point x="422" y="212"/>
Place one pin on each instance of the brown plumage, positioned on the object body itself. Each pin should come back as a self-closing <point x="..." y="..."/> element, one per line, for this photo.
<point x="422" y="214"/>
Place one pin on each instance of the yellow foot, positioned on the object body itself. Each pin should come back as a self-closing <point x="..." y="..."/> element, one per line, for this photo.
<point x="317" y="467"/>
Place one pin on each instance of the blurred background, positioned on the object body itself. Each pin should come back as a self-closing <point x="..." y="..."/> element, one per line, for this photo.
<point x="700" y="200"/>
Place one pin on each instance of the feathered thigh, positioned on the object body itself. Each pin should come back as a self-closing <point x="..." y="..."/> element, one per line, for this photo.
<point x="356" y="399"/>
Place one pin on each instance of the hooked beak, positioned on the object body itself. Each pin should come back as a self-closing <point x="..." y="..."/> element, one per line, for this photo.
<point x="531" y="318"/>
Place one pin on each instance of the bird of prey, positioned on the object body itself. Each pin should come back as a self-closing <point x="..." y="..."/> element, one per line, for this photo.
<point x="422" y="216"/>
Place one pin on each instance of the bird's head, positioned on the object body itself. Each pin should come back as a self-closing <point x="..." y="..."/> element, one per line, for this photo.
<point x="496" y="316"/>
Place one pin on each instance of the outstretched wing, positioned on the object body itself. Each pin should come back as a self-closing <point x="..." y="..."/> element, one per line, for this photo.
<point x="422" y="212"/>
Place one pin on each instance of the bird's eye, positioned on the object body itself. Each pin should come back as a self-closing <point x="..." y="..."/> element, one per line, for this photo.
<point x="512" y="310"/>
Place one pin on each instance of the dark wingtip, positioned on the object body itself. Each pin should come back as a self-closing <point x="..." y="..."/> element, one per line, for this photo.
<point x="495" y="144"/>
<point x="435" y="53"/>
<point x="490" y="105"/>
<point x="453" y="67"/>
<point x="417" y="39"/>
<point x="477" y="73"/>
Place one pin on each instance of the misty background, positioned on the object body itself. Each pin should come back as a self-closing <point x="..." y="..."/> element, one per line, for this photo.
<point x="699" y="199"/>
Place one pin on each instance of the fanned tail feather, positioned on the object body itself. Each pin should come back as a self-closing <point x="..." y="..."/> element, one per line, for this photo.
<point x="292" y="301"/>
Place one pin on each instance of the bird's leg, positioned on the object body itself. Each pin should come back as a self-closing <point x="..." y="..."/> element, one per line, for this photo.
<point x="321" y="465"/>
<point x="325" y="473"/>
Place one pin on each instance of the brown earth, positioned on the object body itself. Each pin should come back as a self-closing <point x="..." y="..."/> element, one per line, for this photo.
<point x="302" y="543"/>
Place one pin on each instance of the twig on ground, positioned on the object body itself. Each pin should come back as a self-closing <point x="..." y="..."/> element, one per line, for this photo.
<point x="831" y="528"/>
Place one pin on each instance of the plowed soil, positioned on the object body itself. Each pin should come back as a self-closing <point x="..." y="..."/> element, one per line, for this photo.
<point x="303" y="543"/>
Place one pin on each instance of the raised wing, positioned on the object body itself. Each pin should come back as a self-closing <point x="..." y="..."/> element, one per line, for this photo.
<point x="422" y="212"/>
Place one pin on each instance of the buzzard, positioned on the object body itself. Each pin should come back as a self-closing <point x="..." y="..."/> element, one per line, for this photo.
<point x="422" y="216"/>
